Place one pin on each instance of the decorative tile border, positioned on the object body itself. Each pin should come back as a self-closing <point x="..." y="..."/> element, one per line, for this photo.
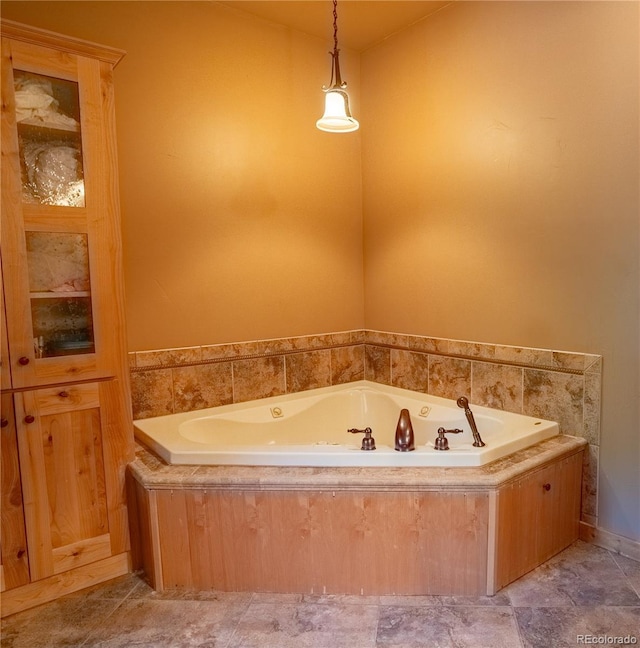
<point x="241" y="350"/>
<point x="557" y="385"/>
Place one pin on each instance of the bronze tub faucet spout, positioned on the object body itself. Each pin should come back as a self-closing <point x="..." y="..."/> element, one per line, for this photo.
<point x="404" y="433"/>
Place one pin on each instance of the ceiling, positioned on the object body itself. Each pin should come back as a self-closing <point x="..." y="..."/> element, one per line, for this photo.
<point x="361" y="23"/>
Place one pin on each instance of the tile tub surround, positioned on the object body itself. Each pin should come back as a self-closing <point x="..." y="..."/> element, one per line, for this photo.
<point x="556" y="385"/>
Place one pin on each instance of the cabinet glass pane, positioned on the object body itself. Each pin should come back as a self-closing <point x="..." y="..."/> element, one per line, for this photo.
<point x="59" y="284"/>
<point x="57" y="261"/>
<point x="48" y="118"/>
<point x="62" y="326"/>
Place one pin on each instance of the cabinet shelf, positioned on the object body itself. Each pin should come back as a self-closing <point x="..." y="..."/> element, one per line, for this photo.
<point x="39" y="125"/>
<point x="60" y="295"/>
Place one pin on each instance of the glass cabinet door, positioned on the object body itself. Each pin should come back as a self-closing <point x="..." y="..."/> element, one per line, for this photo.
<point x="51" y="232"/>
<point x="47" y="114"/>
<point x="48" y="122"/>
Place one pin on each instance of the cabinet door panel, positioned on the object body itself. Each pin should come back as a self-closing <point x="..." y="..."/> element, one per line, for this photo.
<point x="15" y="566"/>
<point x="80" y="553"/>
<point x="538" y="517"/>
<point x="61" y="399"/>
<point x="63" y="472"/>
<point x="562" y="493"/>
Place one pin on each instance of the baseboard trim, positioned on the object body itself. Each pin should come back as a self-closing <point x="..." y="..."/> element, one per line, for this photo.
<point x="49" y="589"/>
<point x="611" y="541"/>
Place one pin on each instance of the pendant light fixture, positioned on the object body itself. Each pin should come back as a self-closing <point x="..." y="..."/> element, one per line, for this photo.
<point x="337" y="116"/>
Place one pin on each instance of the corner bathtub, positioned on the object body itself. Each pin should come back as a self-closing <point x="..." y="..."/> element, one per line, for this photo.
<point x="310" y="429"/>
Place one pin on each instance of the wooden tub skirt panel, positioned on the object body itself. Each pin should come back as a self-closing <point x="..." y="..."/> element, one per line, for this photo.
<point x="326" y="531"/>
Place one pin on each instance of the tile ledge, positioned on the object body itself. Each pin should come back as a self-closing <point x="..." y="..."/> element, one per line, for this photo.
<point x="154" y="473"/>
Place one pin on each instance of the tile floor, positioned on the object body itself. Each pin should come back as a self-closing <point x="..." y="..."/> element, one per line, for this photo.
<point x="585" y="595"/>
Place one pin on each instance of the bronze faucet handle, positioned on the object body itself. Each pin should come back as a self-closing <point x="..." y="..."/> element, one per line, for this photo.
<point x="368" y="442"/>
<point x="442" y="443"/>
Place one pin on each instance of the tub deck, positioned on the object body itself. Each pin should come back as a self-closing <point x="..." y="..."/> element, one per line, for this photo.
<point x="154" y="473"/>
<point x="437" y="530"/>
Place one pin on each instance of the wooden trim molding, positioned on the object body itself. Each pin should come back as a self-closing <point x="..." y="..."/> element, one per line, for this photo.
<point x="45" y="38"/>
<point x="49" y="589"/>
<point x="611" y="541"/>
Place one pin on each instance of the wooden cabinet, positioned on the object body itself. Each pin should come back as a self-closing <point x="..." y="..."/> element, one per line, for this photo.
<point x="537" y="516"/>
<point x="68" y="435"/>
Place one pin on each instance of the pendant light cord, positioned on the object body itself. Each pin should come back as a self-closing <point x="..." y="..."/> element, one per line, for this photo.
<point x="336" y="79"/>
<point x="335" y="24"/>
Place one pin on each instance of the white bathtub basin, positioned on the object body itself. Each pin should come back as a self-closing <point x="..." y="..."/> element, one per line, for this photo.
<point x="310" y="429"/>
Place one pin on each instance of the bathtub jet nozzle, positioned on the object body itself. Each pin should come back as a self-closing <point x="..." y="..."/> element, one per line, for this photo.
<point x="405" y="441"/>
<point x="368" y="442"/>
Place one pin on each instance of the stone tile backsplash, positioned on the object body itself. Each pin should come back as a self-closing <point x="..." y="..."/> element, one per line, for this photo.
<point x="178" y="380"/>
<point x="556" y="385"/>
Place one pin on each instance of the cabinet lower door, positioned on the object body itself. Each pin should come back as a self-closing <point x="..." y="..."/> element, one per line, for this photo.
<point x="60" y="440"/>
<point x="538" y="516"/>
<point x="15" y="565"/>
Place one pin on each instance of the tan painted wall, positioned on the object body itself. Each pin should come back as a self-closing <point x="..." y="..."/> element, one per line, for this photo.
<point x="241" y="219"/>
<point x="500" y="184"/>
